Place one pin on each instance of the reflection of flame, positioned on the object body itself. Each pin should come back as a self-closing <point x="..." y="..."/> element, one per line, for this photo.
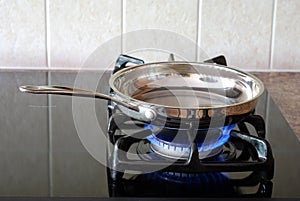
<point x="207" y="178"/>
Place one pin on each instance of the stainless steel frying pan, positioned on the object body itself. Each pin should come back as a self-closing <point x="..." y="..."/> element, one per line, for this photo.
<point x="176" y="91"/>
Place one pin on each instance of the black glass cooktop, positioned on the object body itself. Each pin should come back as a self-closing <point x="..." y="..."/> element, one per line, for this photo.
<point x="44" y="145"/>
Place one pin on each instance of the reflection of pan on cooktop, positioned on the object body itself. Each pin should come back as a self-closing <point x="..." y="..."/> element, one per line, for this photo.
<point x="175" y="90"/>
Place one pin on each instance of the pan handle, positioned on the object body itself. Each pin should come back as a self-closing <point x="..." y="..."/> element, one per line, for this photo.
<point x="68" y="91"/>
<point x="147" y="113"/>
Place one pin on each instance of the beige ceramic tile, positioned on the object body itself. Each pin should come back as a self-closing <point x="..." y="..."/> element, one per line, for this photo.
<point x="241" y="30"/>
<point x="22" y="33"/>
<point x="287" y="42"/>
<point x="175" y="22"/>
<point x="79" y="27"/>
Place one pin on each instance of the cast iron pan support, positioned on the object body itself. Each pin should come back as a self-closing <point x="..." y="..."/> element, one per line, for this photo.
<point x="124" y="59"/>
<point x="193" y="165"/>
<point x="256" y="120"/>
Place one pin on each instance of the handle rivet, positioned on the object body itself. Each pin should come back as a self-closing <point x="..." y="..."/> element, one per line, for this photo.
<point x="149" y="114"/>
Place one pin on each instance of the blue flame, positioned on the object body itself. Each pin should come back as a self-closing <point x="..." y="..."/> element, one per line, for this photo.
<point x="165" y="140"/>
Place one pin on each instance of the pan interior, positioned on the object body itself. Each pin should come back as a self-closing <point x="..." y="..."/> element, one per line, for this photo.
<point x="186" y="85"/>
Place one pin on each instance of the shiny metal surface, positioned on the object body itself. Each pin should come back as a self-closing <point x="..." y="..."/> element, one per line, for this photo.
<point x="176" y="90"/>
<point x="61" y="90"/>
<point x="188" y="90"/>
<point x="132" y="110"/>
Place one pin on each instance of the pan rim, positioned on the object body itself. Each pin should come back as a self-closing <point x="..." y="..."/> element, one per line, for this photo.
<point x="134" y="101"/>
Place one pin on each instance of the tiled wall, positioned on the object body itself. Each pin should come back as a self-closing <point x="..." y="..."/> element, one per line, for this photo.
<point x="252" y="34"/>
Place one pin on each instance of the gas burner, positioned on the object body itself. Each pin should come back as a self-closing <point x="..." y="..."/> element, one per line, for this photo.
<point x="251" y="153"/>
<point x="245" y="161"/>
<point x="235" y="149"/>
<point x="199" y="160"/>
<point x="174" y="142"/>
<point x="226" y="152"/>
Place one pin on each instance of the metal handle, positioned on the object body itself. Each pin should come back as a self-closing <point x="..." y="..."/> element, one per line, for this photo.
<point x="61" y="90"/>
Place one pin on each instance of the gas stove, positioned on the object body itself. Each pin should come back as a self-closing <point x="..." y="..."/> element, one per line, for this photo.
<point x="142" y="164"/>
<point x="152" y="157"/>
<point x="43" y="155"/>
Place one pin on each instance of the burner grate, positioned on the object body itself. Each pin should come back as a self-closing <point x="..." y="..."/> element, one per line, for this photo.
<point x="252" y="154"/>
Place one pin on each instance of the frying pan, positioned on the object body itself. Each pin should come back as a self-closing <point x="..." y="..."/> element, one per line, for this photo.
<point x="176" y="92"/>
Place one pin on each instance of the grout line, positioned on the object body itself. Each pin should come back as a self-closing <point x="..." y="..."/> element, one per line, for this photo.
<point x="123" y="24"/>
<point x="24" y="68"/>
<point x="48" y="36"/>
<point x="49" y="100"/>
<point x="66" y="69"/>
<point x="272" y="70"/>
<point x="274" y="14"/>
<point x="199" y="24"/>
<point x="46" y="31"/>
